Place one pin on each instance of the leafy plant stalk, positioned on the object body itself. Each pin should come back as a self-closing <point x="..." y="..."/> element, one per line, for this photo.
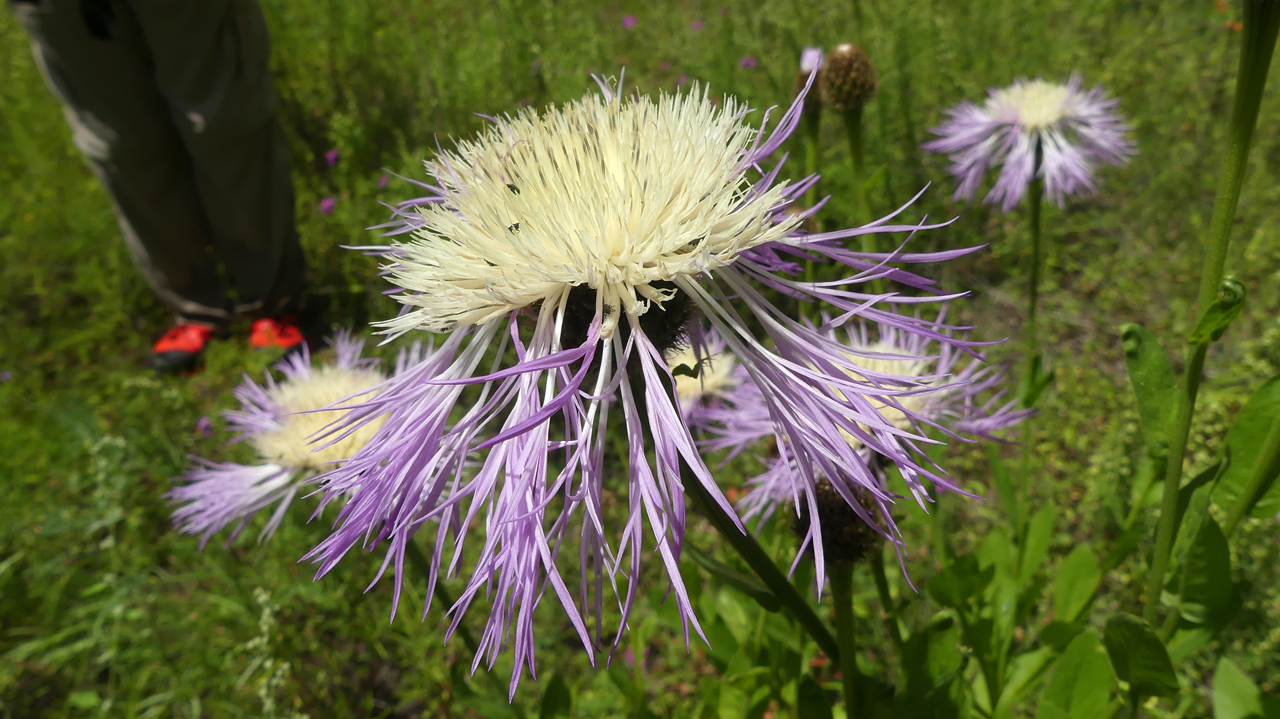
<point x="876" y="559"/>
<point x="754" y="555"/>
<point x="842" y="596"/>
<point x="1034" y="197"/>
<point x="1261" y="24"/>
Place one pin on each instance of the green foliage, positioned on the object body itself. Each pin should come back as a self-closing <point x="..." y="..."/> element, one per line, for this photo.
<point x="1139" y="657"/>
<point x="1220" y="314"/>
<point x="1079" y="686"/>
<point x="1245" y="440"/>
<point x="1151" y="377"/>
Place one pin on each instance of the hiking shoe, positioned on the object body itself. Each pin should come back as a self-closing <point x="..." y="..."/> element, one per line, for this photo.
<point x="180" y="348"/>
<point x="279" y="332"/>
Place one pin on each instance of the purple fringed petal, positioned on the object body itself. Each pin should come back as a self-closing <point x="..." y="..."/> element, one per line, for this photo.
<point x="214" y="496"/>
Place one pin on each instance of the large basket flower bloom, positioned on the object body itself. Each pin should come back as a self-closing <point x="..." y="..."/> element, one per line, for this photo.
<point x="569" y="251"/>
<point x="1068" y="130"/>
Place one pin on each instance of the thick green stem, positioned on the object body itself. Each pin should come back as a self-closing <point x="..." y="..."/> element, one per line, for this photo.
<point x="886" y="600"/>
<point x="754" y="555"/>
<point x="841" y="574"/>
<point x="1034" y="196"/>
<point x="1264" y="469"/>
<point x="1261" y="24"/>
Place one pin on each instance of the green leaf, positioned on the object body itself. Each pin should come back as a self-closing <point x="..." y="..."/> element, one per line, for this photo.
<point x="1005" y="491"/>
<point x="734" y="702"/>
<point x="1206" y="589"/>
<point x="557" y="702"/>
<point x="811" y="700"/>
<point x="1079" y="685"/>
<point x="962" y="580"/>
<point x="1187" y="492"/>
<point x="1139" y="657"/>
<point x="744" y="583"/>
<point x="84" y="700"/>
<point x="1024" y="671"/>
<point x="876" y="179"/>
<point x="1074" y="587"/>
<point x="931" y="657"/>
<point x="1235" y="696"/>
<point x="1245" y="440"/>
<point x="1123" y="547"/>
<point x="1030" y="389"/>
<point x="684" y="370"/>
<point x="1221" y="313"/>
<point x="1154" y="387"/>
<point x="1035" y="548"/>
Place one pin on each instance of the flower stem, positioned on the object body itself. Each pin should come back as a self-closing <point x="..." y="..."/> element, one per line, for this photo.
<point x="886" y="600"/>
<point x="841" y="574"/>
<point x="812" y="125"/>
<point x="1265" y="468"/>
<point x="1034" y="197"/>
<point x="861" y="213"/>
<point x="754" y="555"/>
<point x="1261" y="25"/>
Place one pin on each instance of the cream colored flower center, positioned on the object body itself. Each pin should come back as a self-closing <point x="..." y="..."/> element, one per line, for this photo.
<point x="1038" y="104"/>
<point x="715" y="375"/>
<point x="614" y="195"/>
<point x="892" y="367"/>
<point x="290" y="445"/>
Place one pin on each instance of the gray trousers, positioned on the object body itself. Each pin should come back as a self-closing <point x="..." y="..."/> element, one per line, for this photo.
<point x="176" y="114"/>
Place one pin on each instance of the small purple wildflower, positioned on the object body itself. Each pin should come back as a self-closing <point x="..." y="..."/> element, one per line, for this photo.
<point x="810" y="60"/>
<point x="204" y="428"/>
<point x="331" y="158"/>
<point x="5" y="376"/>
<point x="682" y="80"/>
<point x="749" y="62"/>
<point x="697" y="25"/>
<point x="575" y="304"/>
<point x="327" y="205"/>
<point x="382" y="181"/>
<point x="629" y="22"/>
<point x="1070" y="130"/>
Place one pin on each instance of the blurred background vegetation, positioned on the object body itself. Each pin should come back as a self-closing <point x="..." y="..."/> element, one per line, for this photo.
<point x="105" y="611"/>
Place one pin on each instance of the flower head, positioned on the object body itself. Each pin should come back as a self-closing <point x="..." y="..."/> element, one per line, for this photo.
<point x="278" y="419"/>
<point x="331" y="158"/>
<point x="327" y="205"/>
<point x="629" y="22"/>
<point x="1033" y="129"/>
<point x="749" y="62"/>
<point x="924" y="384"/>
<point x="849" y="78"/>
<point x="572" y="253"/>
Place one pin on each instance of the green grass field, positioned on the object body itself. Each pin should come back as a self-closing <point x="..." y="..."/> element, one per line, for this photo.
<point x="106" y="611"/>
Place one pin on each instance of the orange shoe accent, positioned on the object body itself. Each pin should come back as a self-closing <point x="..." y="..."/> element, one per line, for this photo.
<point x="275" y="332"/>
<point x="183" y="338"/>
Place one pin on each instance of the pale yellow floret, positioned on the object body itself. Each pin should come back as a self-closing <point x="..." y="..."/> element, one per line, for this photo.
<point x="1039" y="104"/>
<point x="715" y="375"/>
<point x="887" y="366"/>
<point x="290" y="445"/>
<point x="614" y="195"/>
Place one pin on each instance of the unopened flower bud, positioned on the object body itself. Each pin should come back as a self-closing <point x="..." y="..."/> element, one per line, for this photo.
<point x="848" y="78"/>
<point x="846" y="537"/>
<point x="810" y="62"/>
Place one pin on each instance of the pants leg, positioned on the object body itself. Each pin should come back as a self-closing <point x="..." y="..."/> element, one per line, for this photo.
<point x="123" y="125"/>
<point x="211" y="64"/>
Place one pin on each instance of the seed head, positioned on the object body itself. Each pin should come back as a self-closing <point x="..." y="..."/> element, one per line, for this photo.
<point x="848" y="78"/>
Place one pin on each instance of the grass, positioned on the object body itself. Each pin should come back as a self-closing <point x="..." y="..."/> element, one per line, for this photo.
<point x="105" y="611"/>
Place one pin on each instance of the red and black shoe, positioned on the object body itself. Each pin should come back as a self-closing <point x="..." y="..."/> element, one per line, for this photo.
<point x="180" y="349"/>
<point x="280" y="332"/>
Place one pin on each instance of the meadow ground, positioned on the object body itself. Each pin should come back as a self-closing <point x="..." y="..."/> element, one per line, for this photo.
<point x="105" y="611"/>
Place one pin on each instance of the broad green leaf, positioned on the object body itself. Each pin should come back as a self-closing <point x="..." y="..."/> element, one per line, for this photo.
<point x="734" y="701"/>
<point x="1139" y="657"/>
<point x="1245" y="440"/>
<point x="962" y="580"/>
<point x="1005" y="490"/>
<point x="557" y="702"/>
<point x="1187" y="493"/>
<point x="1079" y="685"/>
<point x="1123" y="547"/>
<point x="1077" y="580"/>
<point x="744" y="583"/>
<point x="1235" y="696"/>
<point x="1035" y="548"/>
<point x="1221" y="313"/>
<point x="1023" y="672"/>
<point x="811" y="700"/>
<point x="1204" y="591"/>
<point x="996" y="550"/>
<point x="1004" y="615"/>
<point x="932" y="656"/>
<point x="1154" y="387"/>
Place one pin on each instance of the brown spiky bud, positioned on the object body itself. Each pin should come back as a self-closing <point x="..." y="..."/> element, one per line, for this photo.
<point x="846" y="537"/>
<point x="848" y="78"/>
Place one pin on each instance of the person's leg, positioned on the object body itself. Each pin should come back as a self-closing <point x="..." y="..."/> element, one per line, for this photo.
<point x="211" y="65"/>
<point x="123" y="125"/>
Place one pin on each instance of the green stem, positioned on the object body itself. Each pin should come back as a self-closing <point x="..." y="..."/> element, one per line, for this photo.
<point x="812" y="125"/>
<point x="419" y="562"/>
<point x="841" y="574"/>
<point x="886" y="600"/>
<point x="754" y="555"/>
<point x="1033" y="286"/>
<point x="861" y="212"/>
<point x="1264" y="469"/>
<point x="1261" y="25"/>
